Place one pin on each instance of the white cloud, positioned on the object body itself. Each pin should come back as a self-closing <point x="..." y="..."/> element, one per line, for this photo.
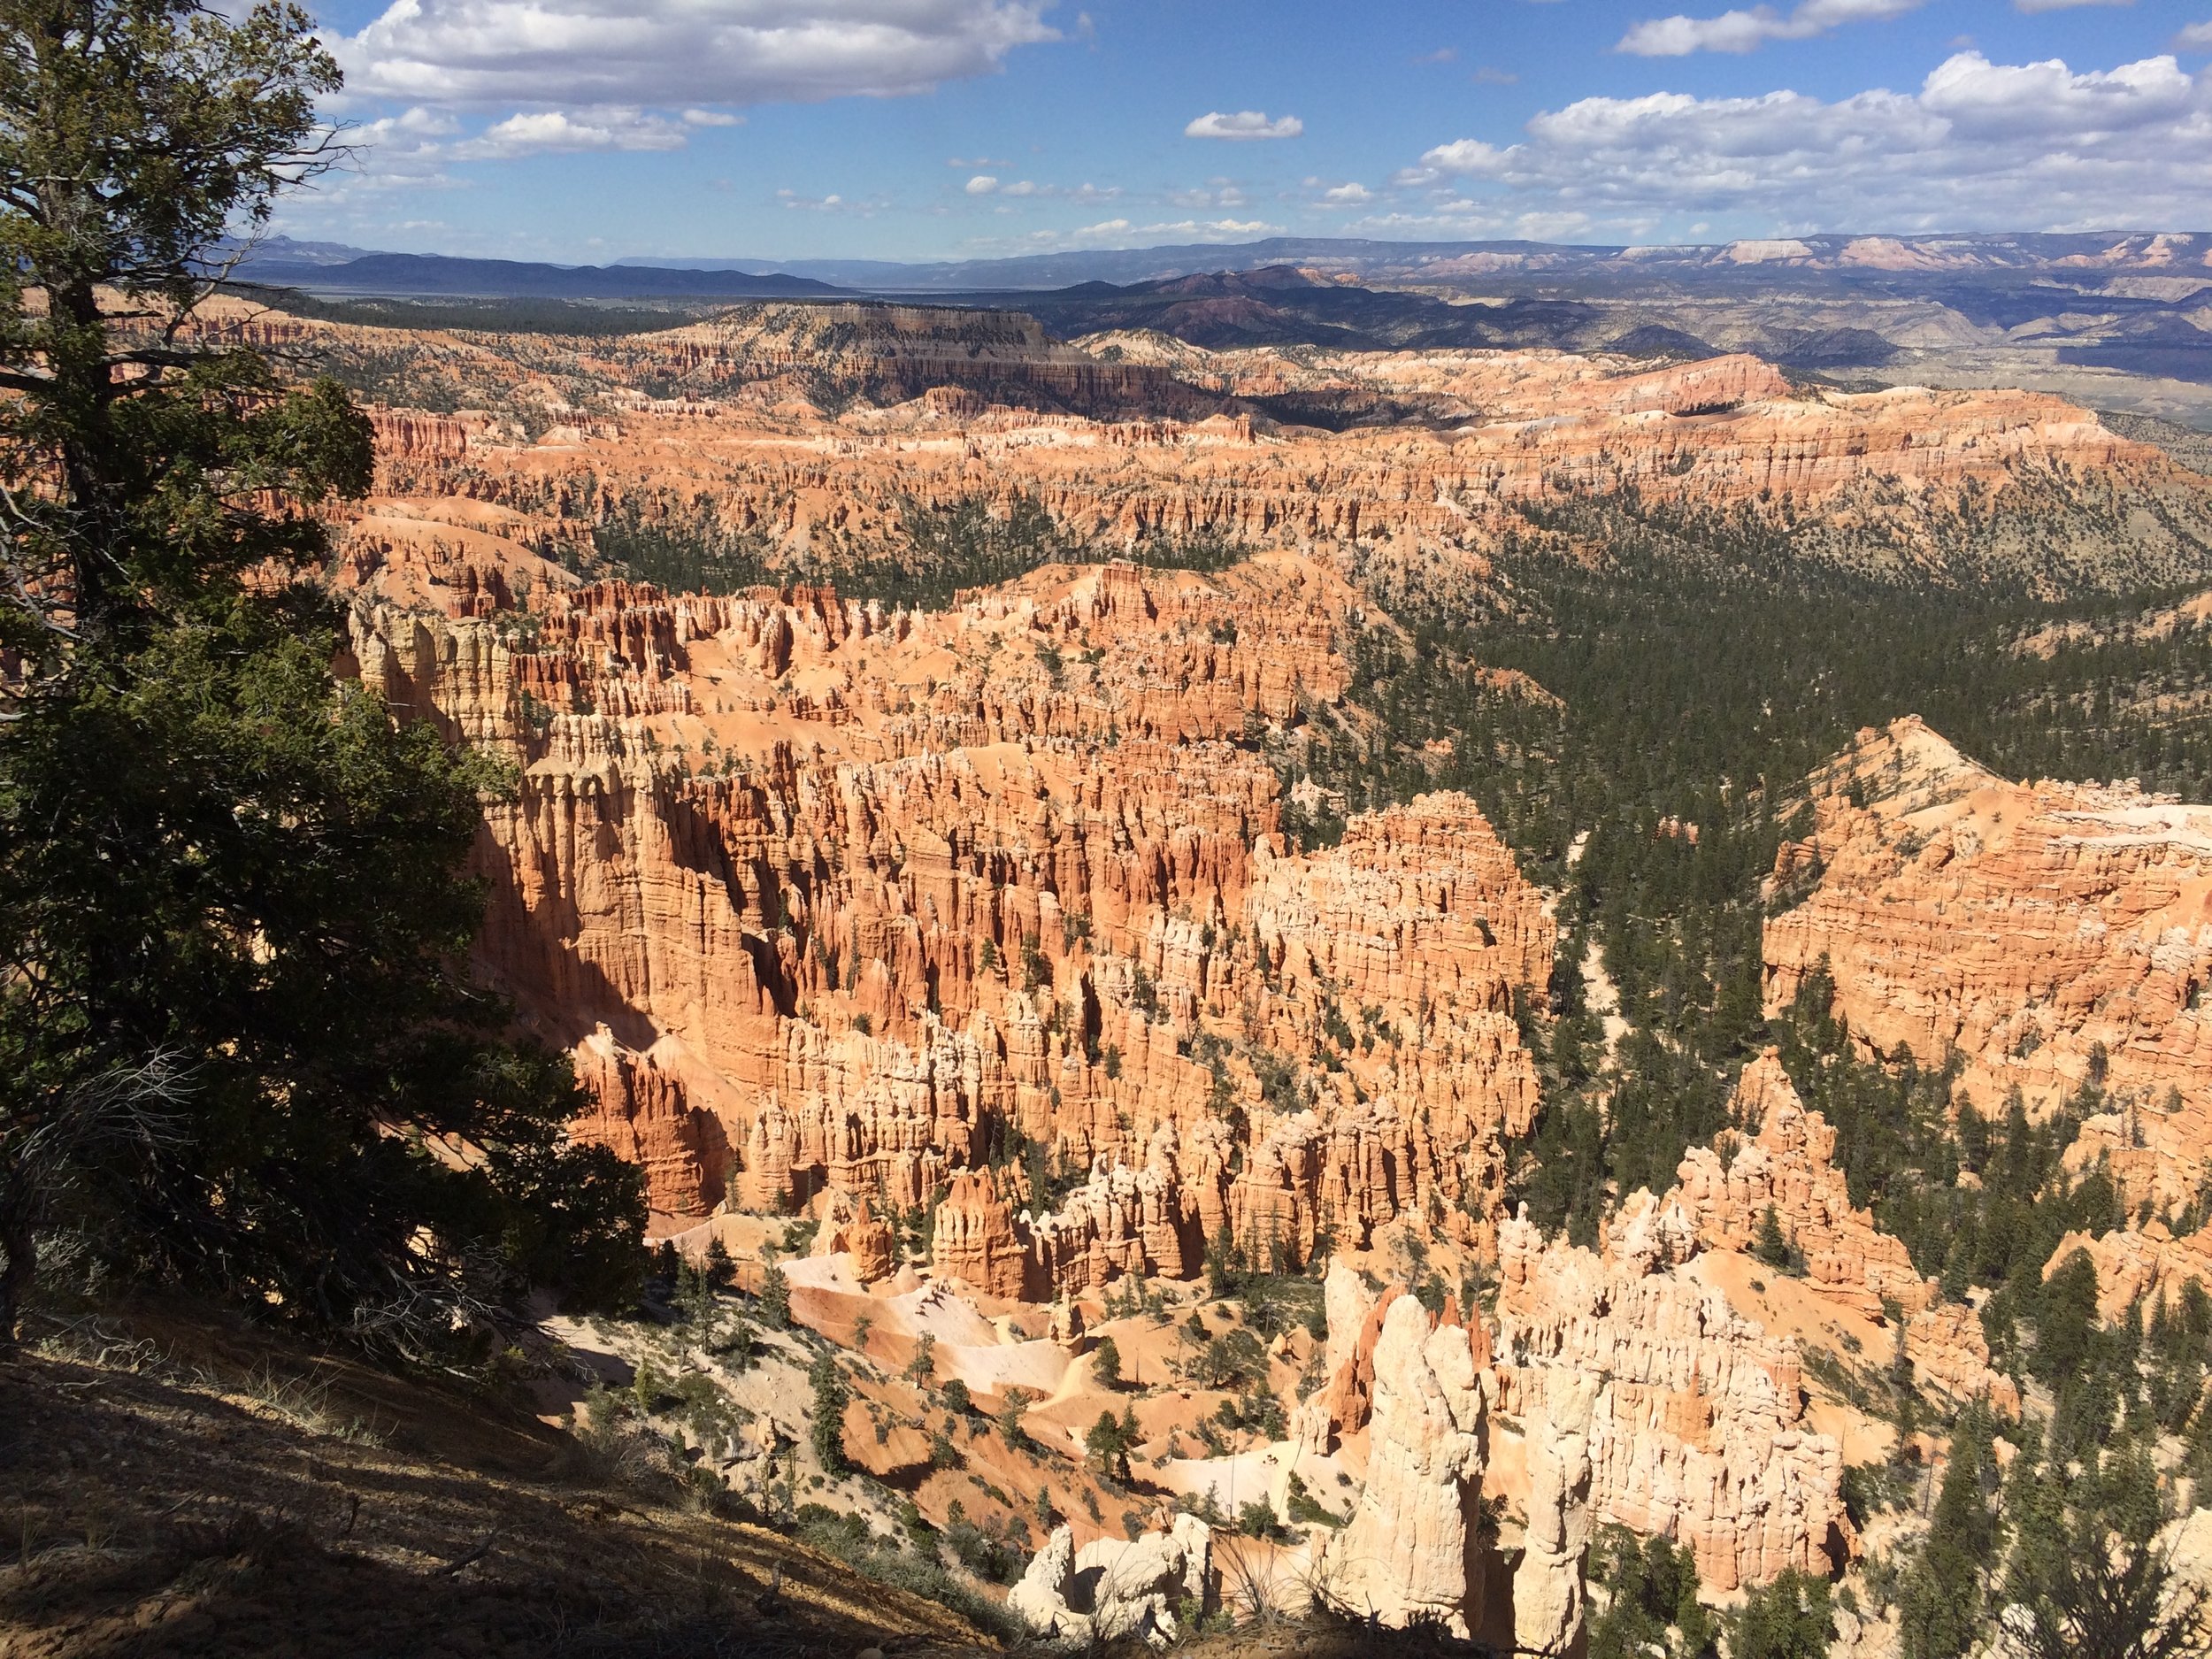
<point x="1746" y="31"/>
<point x="1980" y="145"/>
<point x="988" y="184"/>
<point x="712" y="118"/>
<point x="2197" y="37"/>
<point x="1110" y="232"/>
<point x="574" y="53"/>
<point x="1215" y="193"/>
<point x="1347" y="196"/>
<point x="866" y="208"/>
<point x="1245" y="124"/>
<point x="538" y="132"/>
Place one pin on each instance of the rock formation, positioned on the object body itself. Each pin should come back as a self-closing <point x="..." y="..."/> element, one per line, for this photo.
<point x="2042" y="932"/>
<point x="1414" y="1548"/>
<point x="984" y="919"/>
<point x="2051" y="936"/>
<point x="1111" y="1591"/>
<point x="844" y="898"/>
<point x="1547" y="1586"/>
<point x="1788" y="1168"/>
<point x="1698" y="1432"/>
<point x="849" y="1227"/>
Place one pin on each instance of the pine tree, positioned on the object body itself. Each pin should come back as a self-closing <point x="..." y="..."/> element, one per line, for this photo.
<point x="234" y="913"/>
<point x="1106" y="1363"/>
<point x="1772" y="1247"/>
<point x="775" y="1298"/>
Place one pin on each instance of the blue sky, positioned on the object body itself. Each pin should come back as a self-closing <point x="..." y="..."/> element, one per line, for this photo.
<point x="588" y="129"/>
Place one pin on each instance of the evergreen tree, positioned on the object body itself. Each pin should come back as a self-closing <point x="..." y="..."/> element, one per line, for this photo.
<point x="1772" y="1247"/>
<point x="775" y="1298"/>
<point x="828" y="1427"/>
<point x="1787" y="1619"/>
<point x="1106" y="1363"/>
<point x="2089" y="1577"/>
<point x="239" y="1048"/>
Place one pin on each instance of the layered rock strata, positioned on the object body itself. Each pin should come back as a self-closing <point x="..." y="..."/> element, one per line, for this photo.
<point x="831" y="896"/>
<point x="2047" y="935"/>
<point x="1698" y="1432"/>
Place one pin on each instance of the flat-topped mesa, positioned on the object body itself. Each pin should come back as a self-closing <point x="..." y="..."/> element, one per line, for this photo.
<point x="2047" y="934"/>
<point x="890" y="354"/>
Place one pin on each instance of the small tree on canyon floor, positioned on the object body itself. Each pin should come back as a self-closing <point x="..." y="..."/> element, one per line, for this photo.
<point x="240" y="1052"/>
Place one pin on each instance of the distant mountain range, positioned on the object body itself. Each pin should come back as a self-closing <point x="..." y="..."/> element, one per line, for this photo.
<point x="2118" y="322"/>
<point x="334" y="268"/>
<point x="1835" y="262"/>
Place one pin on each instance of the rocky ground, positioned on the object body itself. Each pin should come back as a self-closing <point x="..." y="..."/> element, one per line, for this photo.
<point x="177" y="1485"/>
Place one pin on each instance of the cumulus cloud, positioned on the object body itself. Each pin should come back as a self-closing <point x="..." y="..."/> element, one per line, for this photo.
<point x="1978" y="145"/>
<point x="1746" y="31"/>
<point x="661" y="53"/>
<point x="541" y="131"/>
<point x="2197" y="37"/>
<point x="712" y="118"/>
<point x="1347" y="196"/>
<point x="1245" y="124"/>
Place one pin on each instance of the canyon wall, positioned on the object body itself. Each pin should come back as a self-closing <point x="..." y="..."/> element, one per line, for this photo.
<point x="2047" y="935"/>
<point x="824" y="895"/>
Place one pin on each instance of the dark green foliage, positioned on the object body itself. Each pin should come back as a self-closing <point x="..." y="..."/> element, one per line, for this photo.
<point x="1259" y="1519"/>
<point x="2177" y="1350"/>
<point x="915" y="1569"/>
<point x="1106" y="1363"/>
<point x="1110" y="1439"/>
<point x="774" y="1301"/>
<point x="1651" y="1584"/>
<point x="1773" y="1246"/>
<point x="989" y="1554"/>
<point x="235" y="918"/>
<point x="826" y="1425"/>
<point x="956" y="1398"/>
<point x="1941" y="1599"/>
<point x="1705" y="669"/>
<point x="1787" y="1619"/>
<point x="679" y="545"/>
<point x="720" y="1271"/>
<point x="1901" y="1150"/>
<point x="2087" y="1575"/>
<point x="1306" y="1509"/>
<point x="1227" y="1360"/>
